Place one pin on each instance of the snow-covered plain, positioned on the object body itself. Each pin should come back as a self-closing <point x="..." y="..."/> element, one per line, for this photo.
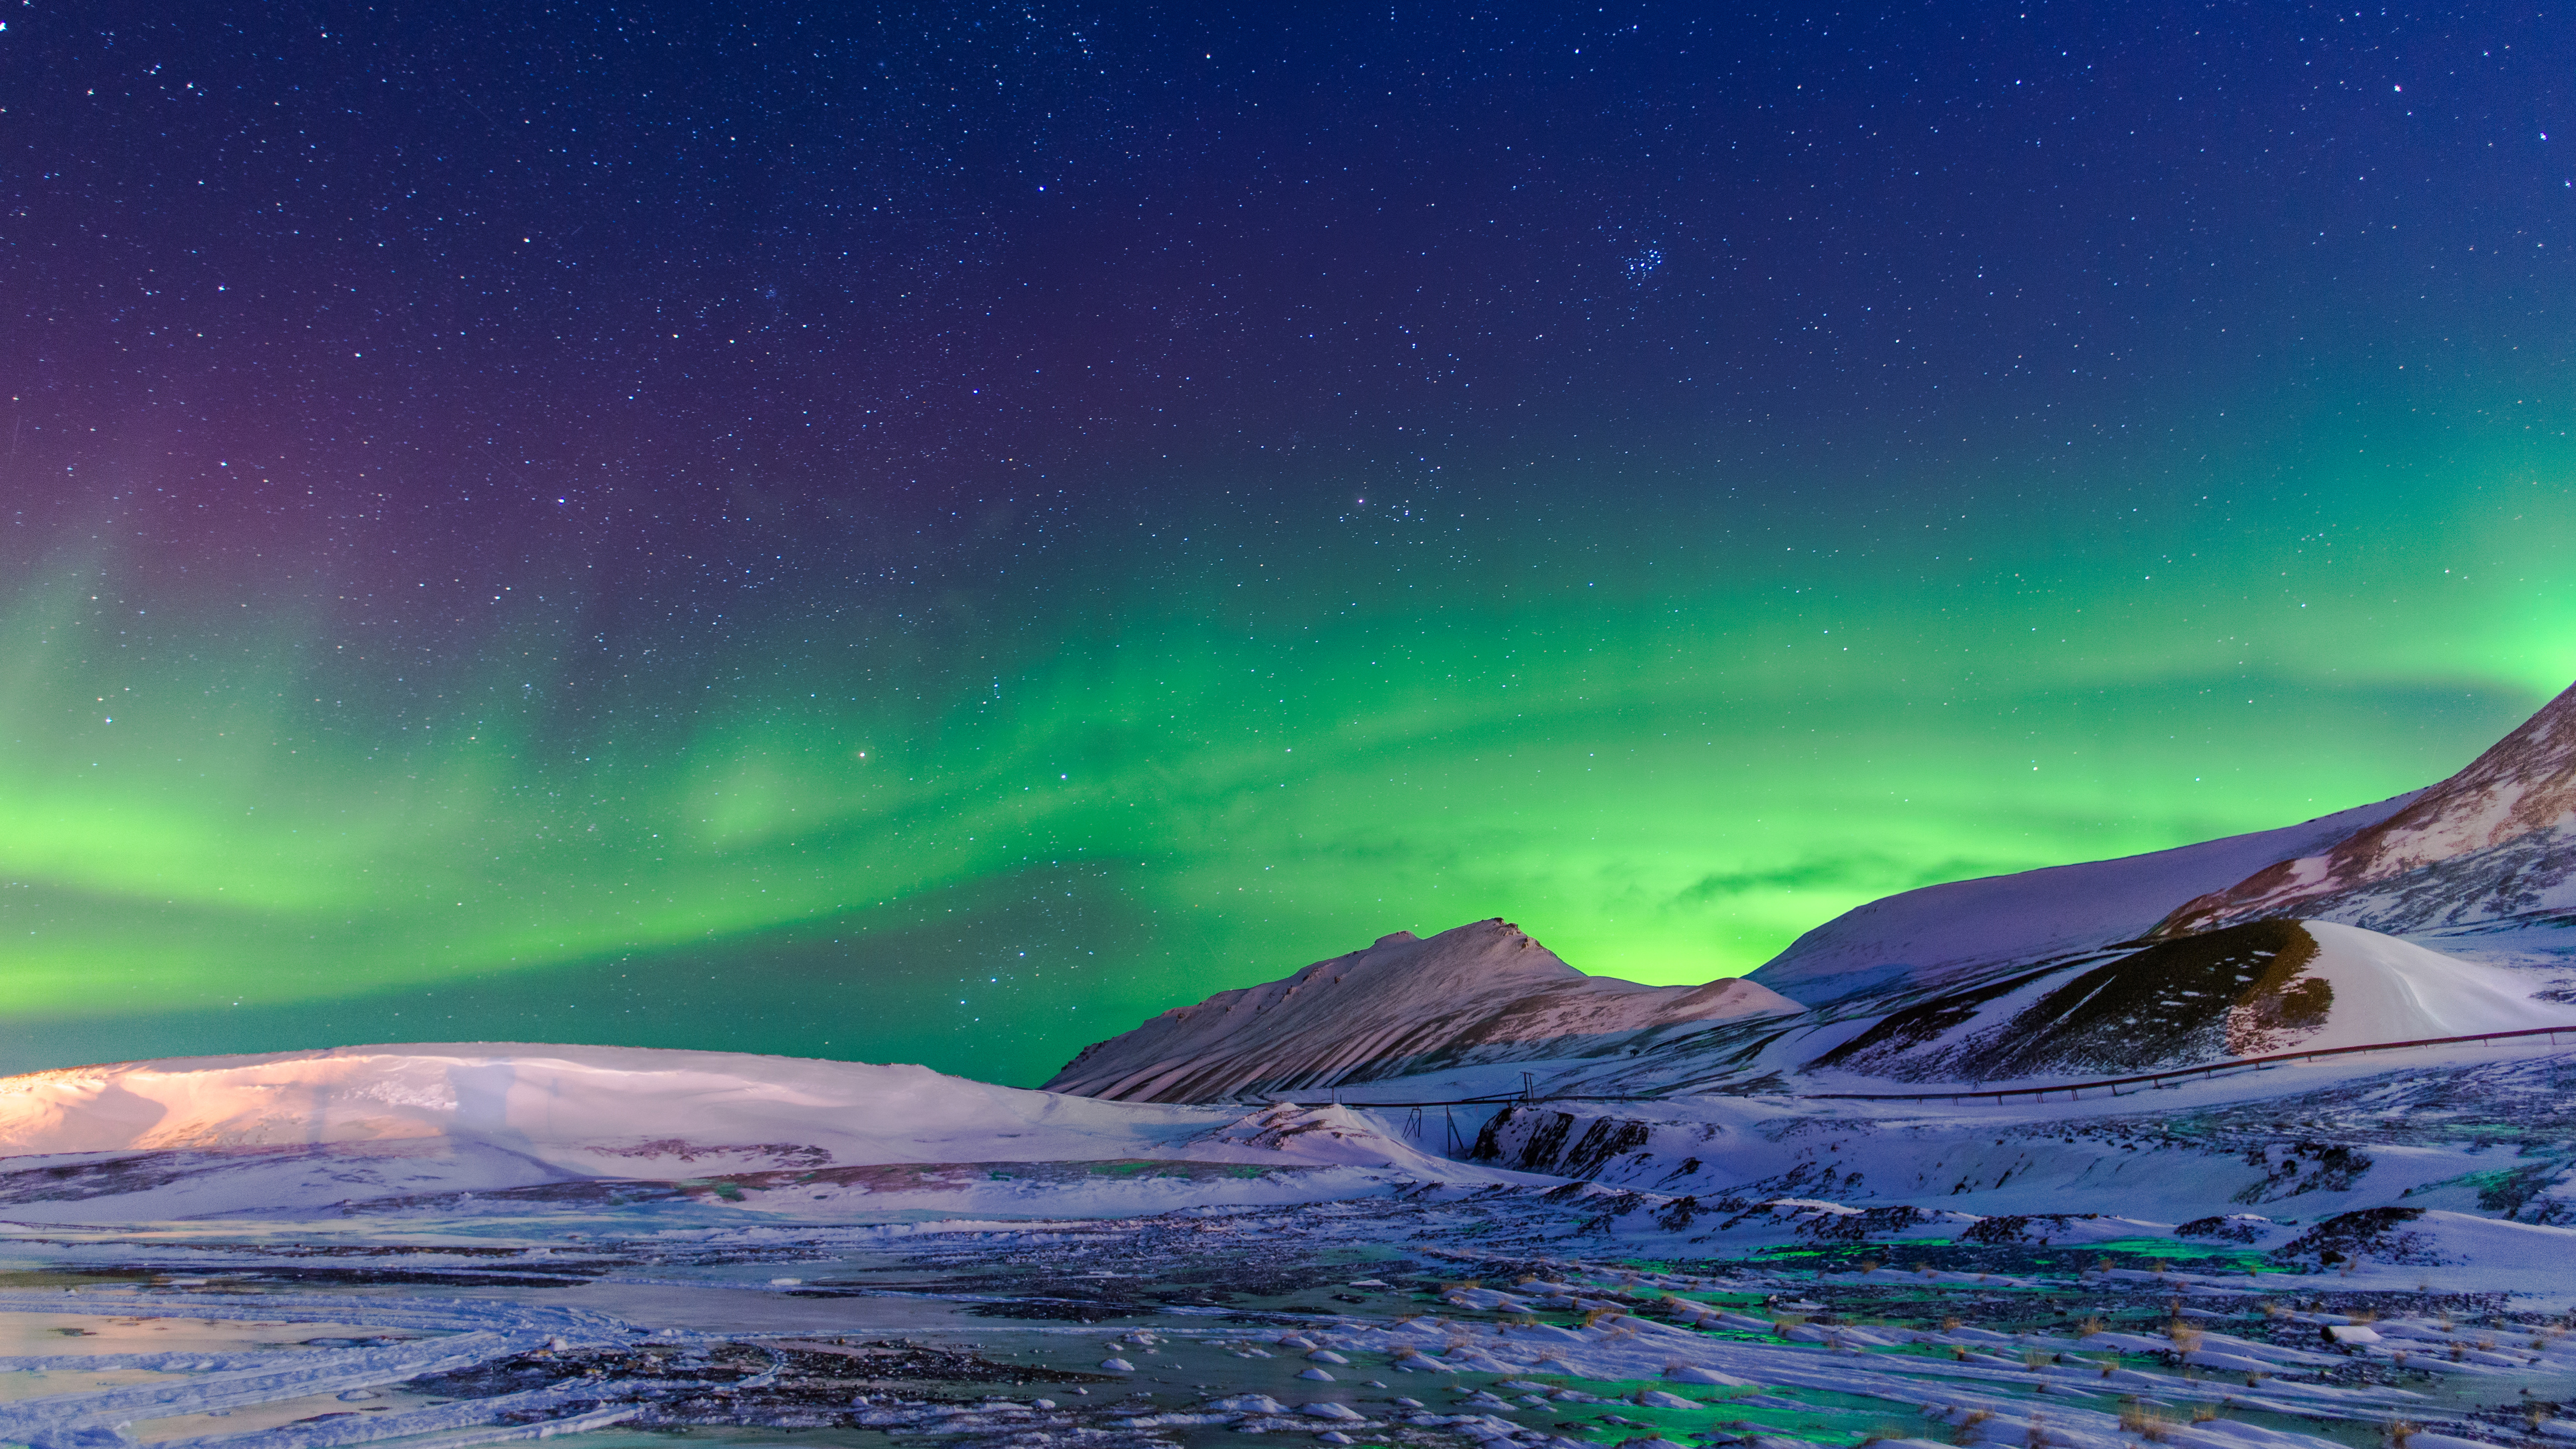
<point x="1756" y="1268"/>
<point x="509" y="1129"/>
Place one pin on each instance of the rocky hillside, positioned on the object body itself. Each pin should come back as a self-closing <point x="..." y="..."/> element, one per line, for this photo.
<point x="1481" y="992"/>
<point x="2497" y="839"/>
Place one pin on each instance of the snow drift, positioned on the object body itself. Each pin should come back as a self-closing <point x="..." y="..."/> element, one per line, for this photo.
<point x="1478" y="993"/>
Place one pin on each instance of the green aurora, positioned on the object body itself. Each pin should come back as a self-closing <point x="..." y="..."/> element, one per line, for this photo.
<point x="1664" y="767"/>
<point x="931" y="535"/>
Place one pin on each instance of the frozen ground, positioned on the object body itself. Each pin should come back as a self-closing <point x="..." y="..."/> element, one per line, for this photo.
<point x="1431" y="1315"/>
<point x="450" y="1245"/>
<point x="2280" y="1260"/>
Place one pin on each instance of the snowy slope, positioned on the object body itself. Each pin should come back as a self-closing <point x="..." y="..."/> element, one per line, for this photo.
<point x="2296" y="1144"/>
<point x="2252" y="990"/>
<point x="1923" y="935"/>
<point x="2512" y="810"/>
<point x="2385" y="989"/>
<point x="519" y="1128"/>
<point x="1483" y="992"/>
<point x="609" y="1110"/>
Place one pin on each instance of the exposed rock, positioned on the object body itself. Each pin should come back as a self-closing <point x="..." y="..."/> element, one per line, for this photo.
<point x="2521" y="793"/>
<point x="1480" y="992"/>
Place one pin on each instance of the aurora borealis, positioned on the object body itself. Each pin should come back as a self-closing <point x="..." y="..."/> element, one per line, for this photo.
<point x="931" y="533"/>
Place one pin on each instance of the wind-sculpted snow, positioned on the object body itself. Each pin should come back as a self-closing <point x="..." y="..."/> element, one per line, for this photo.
<point x="465" y="1334"/>
<point x="1480" y="993"/>
<point x="2211" y="1158"/>
<point x="2522" y="790"/>
<point x="1545" y="1342"/>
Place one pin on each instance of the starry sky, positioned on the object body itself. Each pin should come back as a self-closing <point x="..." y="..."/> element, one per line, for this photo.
<point x="928" y="533"/>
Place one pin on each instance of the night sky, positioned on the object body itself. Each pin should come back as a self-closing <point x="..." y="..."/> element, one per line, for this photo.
<point x="927" y="534"/>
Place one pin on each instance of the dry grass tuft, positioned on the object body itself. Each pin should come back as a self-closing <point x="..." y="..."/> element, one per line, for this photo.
<point x="2146" y="1423"/>
<point x="1967" y="1433"/>
<point x="2185" y="1337"/>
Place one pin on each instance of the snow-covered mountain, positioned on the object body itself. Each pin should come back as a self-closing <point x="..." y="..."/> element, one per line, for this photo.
<point x="2253" y="990"/>
<point x="2498" y="839"/>
<point x="1480" y="993"/>
<point x="1938" y="932"/>
<point x="2251" y="944"/>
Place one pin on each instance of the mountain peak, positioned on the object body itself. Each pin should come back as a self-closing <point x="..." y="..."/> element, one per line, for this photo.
<point x="1485" y="991"/>
<point x="2494" y="839"/>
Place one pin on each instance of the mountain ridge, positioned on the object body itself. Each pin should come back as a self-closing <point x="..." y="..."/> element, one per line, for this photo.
<point x="2521" y="788"/>
<point x="1964" y="978"/>
<point x="1481" y="992"/>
